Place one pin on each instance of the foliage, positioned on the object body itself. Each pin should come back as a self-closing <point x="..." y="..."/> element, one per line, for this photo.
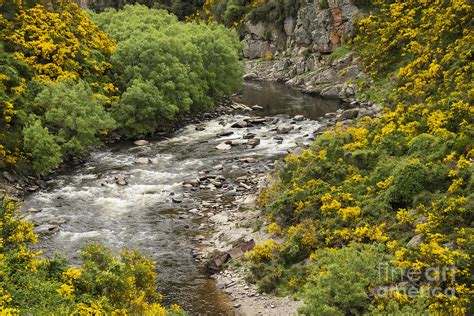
<point x="11" y="86"/>
<point x="339" y="52"/>
<point x="57" y="78"/>
<point x="41" y="44"/>
<point x="341" y="281"/>
<point x="406" y="176"/>
<point x="74" y="115"/>
<point x="166" y="67"/>
<point x="58" y="44"/>
<point x="103" y="284"/>
<point x="235" y="13"/>
<point x="180" y="8"/>
<point x="45" y="152"/>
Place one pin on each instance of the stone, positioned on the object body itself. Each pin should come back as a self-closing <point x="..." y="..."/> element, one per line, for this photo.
<point x="224" y="134"/>
<point x="199" y="128"/>
<point x="257" y="107"/>
<point x="223" y="146"/>
<point x="120" y="180"/>
<point x="250" y="76"/>
<point x="193" y="182"/>
<point x="34" y="210"/>
<point x="239" y="142"/>
<point x="33" y="188"/>
<point x="349" y="114"/>
<point x="141" y="142"/>
<point x="331" y="92"/>
<point x="177" y="199"/>
<point x="415" y="242"/>
<point x="46" y="229"/>
<point x="253" y="142"/>
<point x="217" y="261"/>
<point x="240" y="124"/>
<point x="249" y="136"/>
<point x="284" y="128"/>
<point x="220" y="218"/>
<point x="249" y="160"/>
<point x="143" y="160"/>
<point x="256" y="121"/>
<point x="298" y="118"/>
<point x="238" y="250"/>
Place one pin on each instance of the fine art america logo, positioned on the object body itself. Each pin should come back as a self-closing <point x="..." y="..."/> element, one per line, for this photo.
<point x="408" y="281"/>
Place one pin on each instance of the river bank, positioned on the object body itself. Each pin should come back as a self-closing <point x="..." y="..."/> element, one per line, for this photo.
<point x="182" y="198"/>
<point x="235" y="230"/>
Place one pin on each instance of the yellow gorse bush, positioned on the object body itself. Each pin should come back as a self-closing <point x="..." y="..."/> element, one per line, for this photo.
<point x="46" y="42"/>
<point x="59" y="44"/>
<point x="104" y="284"/>
<point x="408" y="172"/>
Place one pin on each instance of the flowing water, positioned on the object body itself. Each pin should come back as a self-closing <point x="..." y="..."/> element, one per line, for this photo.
<point x="85" y="204"/>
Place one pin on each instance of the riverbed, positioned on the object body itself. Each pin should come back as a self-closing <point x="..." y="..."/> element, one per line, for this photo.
<point x="153" y="211"/>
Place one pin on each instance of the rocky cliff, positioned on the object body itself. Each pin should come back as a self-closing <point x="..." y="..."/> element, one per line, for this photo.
<point x="299" y="51"/>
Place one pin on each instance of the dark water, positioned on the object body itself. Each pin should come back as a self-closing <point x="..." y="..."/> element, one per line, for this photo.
<point x="88" y="205"/>
<point x="278" y="98"/>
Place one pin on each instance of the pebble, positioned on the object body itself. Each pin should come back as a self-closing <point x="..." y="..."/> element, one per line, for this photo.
<point x="141" y="142"/>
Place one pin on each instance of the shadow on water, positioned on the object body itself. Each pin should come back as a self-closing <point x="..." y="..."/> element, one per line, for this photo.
<point x="278" y="98"/>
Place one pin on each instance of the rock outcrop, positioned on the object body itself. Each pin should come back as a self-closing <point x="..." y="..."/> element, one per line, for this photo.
<point x="297" y="53"/>
<point x="314" y="31"/>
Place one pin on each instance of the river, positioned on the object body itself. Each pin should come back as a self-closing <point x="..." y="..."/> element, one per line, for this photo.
<point x="85" y="204"/>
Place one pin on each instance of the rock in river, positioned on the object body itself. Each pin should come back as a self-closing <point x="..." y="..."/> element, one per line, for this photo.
<point x="284" y="128"/>
<point x="240" y="124"/>
<point x="253" y="142"/>
<point x="223" y="146"/>
<point x="141" y="142"/>
<point x="224" y="134"/>
<point x="120" y="180"/>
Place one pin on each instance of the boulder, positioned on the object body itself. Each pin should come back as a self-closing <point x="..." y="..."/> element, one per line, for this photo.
<point x="223" y="146"/>
<point x="120" y="180"/>
<point x="177" y="199"/>
<point x="193" y="182"/>
<point x="249" y="136"/>
<point x="298" y="118"/>
<point x="253" y="142"/>
<point x="250" y="76"/>
<point x="349" y="114"/>
<point x="217" y="261"/>
<point x="257" y="107"/>
<point x="143" y="160"/>
<point x="240" y="124"/>
<point x="224" y="134"/>
<point x="238" y="250"/>
<point x="46" y="229"/>
<point x="415" y="242"/>
<point x="141" y="142"/>
<point x="284" y="128"/>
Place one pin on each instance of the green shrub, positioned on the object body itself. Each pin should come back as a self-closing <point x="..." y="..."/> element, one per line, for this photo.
<point x="166" y="67"/>
<point x="41" y="145"/>
<point x="340" y="280"/>
<point x="74" y="115"/>
<point x="409" y="179"/>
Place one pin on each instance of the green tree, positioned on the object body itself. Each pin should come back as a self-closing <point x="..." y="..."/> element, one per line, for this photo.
<point x="41" y="145"/>
<point x="74" y="115"/>
<point x="166" y="67"/>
